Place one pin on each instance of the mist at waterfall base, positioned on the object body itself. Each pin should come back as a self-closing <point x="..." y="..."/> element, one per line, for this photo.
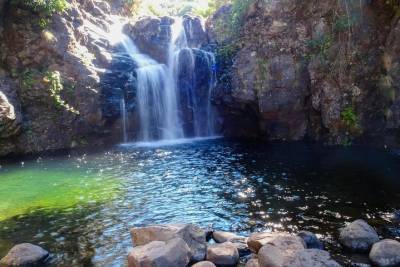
<point x="159" y="96"/>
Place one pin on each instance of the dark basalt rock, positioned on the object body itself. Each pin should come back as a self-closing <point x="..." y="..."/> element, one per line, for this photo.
<point x="195" y="33"/>
<point x="152" y="36"/>
<point x="311" y="240"/>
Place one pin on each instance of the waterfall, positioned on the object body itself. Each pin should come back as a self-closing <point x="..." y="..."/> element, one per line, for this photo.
<point x="124" y="120"/>
<point x="156" y="98"/>
<point x="162" y="100"/>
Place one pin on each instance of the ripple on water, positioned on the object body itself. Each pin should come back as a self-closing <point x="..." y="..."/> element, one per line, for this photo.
<point x="82" y="207"/>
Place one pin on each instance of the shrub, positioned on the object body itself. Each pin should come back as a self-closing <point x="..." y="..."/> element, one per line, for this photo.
<point x="349" y="117"/>
<point x="46" y="7"/>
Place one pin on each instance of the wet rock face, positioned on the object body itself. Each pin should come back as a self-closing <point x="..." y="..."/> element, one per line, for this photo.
<point x="195" y="33"/>
<point x="25" y="255"/>
<point x="152" y="36"/>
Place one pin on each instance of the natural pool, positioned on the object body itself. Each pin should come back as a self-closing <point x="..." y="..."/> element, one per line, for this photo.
<point x="80" y="206"/>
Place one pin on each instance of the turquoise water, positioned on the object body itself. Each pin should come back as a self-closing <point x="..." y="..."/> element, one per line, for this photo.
<point x="81" y="206"/>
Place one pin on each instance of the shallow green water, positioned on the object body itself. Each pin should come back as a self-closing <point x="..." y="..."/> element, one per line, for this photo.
<point x="31" y="188"/>
<point x="81" y="207"/>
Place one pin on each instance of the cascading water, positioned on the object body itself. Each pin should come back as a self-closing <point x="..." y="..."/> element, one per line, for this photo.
<point x="156" y="98"/>
<point x="184" y="62"/>
<point x="124" y="120"/>
<point x="167" y="93"/>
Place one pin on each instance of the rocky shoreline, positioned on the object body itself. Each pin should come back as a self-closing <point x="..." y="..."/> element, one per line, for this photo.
<point x="180" y="245"/>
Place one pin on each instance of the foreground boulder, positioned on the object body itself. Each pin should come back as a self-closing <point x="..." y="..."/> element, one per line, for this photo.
<point x="172" y="253"/>
<point x="311" y="240"/>
<point x="193" y="235"/>
<point x="25" y="255"/>
<point x="239" y="241"/>
<point x="311" y="258"/>
<point x="280" y="250"/>
<point x="358" y="236"/>
<point x="257" y="240"/>
<point x="225" y="254"/>
<point x="204" y="264"/>
<point x="221" y="237"/>
<point x="252" y="263"/>
<point x="385" y="253"/>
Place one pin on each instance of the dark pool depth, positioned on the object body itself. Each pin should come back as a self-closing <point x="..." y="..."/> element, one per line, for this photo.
<point x="81" y="207"/>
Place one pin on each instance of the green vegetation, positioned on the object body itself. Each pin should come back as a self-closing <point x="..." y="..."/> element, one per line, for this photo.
<point x="349" y="117"/>
<point x="45" y="8"/>
<point x="55" y="86"/>
<point x="351" y="125"/>
<point x="53" y="82"/>
<point x="27" y="79"/>
<point x="344" y="23"/>
<point x="320" y="46"/>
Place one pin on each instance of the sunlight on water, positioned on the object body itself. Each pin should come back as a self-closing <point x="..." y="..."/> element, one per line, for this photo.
<point x="81" y="207"/>
<point x="33" y="187"/>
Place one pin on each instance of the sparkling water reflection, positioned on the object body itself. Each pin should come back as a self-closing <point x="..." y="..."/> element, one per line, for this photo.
<point x="84" y="204"/>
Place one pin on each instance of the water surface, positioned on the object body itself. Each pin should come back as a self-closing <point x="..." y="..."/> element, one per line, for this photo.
<point x="81" y="207"/>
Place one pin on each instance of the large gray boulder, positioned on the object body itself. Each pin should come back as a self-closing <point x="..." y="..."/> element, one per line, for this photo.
<point x="311" y="258"/>
<point x="385" y="253"/>
<point x="257" y="240"/>
<point x="358" y="236"/>
<point x="225" y="254"/>
<point x="25" y="255"/>
<point x="193" y="235"/>
<point x="172" y="253"/>
<point x="280" y="250"/>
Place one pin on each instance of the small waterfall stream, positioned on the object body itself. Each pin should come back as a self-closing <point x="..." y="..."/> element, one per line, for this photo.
<point x="161" y="96"/>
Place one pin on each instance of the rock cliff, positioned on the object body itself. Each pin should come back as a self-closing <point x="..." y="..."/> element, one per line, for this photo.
<point x="323" y="70"/>
<point x="53" y="76"/>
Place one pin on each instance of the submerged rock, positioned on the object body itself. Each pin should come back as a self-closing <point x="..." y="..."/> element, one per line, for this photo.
<point x="172" y="253"/>
<point x="25" y="255"/>
<point x="280" y="250"/>
<point x="358" y="236"/>
<point x="193" y="235"/>
<point x="225" y="254"/>
<point x="311" y="258"/>
<point x="385" y="253"/>
<point x="311" y="240"/>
